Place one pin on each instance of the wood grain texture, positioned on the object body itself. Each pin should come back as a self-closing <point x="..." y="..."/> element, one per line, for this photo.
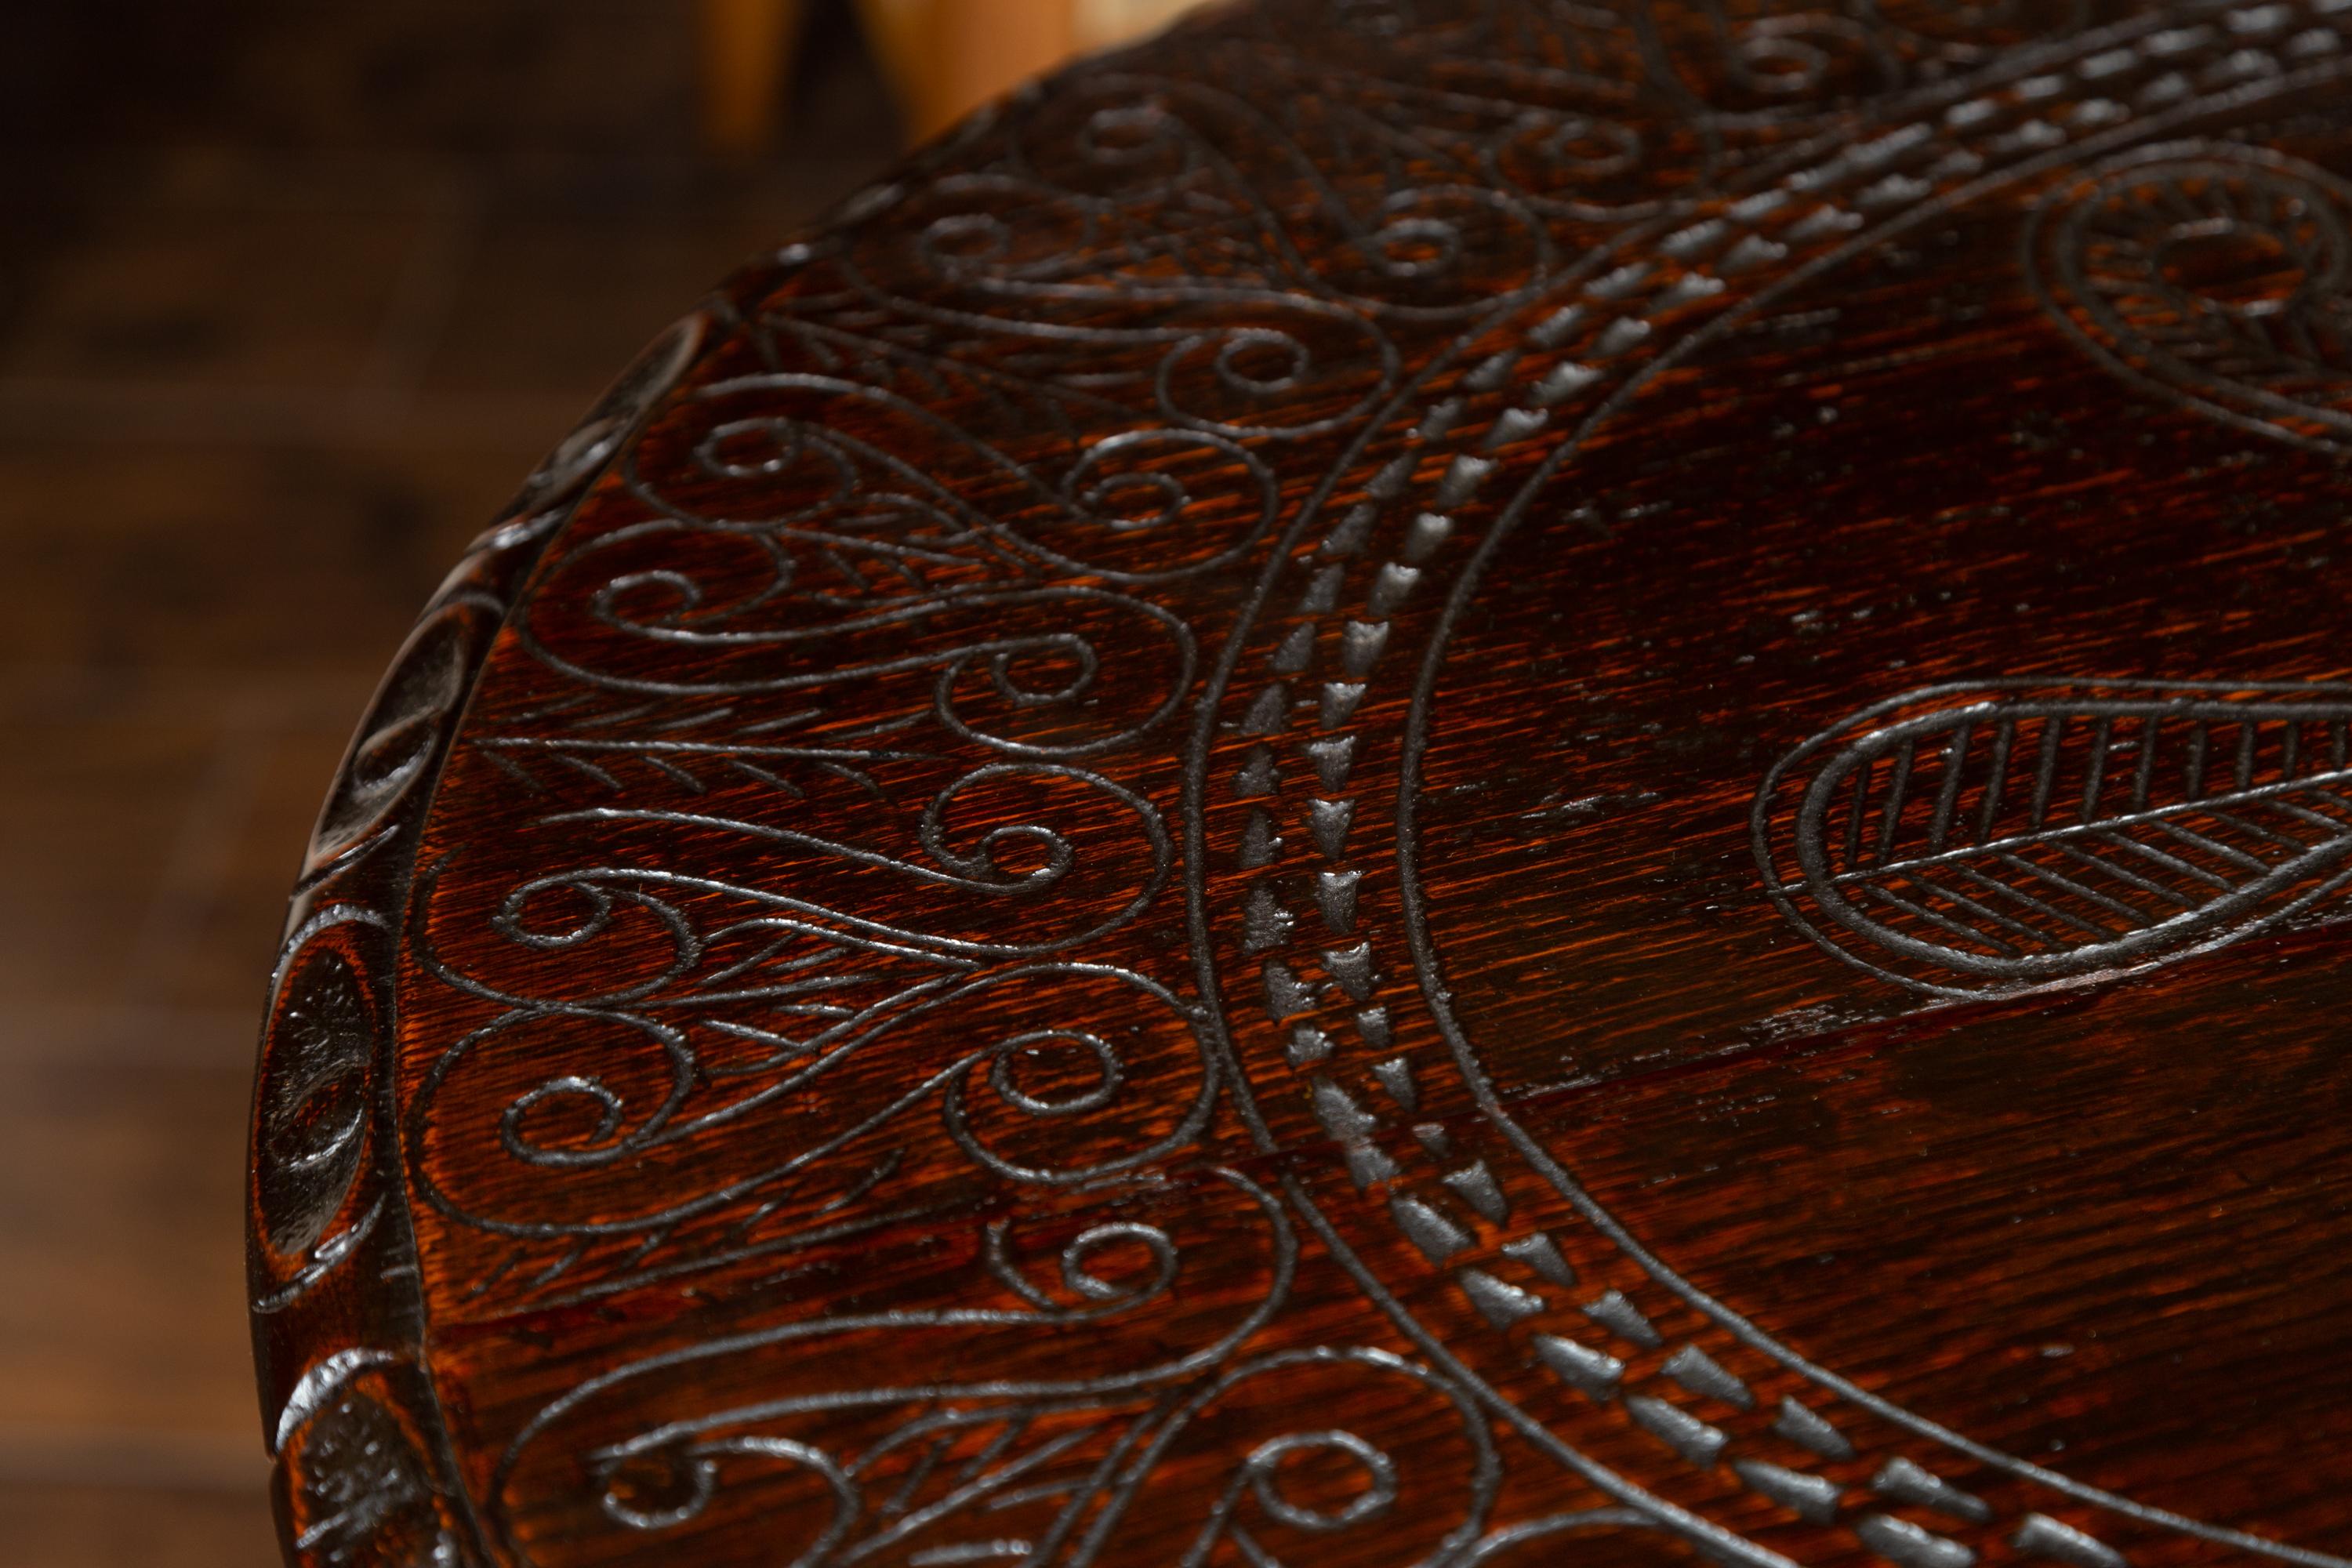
<point x="1396" y="783"/>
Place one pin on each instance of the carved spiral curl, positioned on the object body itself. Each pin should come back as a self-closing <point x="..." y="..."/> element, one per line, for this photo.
<point x="1002" y="831"/>
<point x="1807" y="62"/>
<point x="624" y="1105"/>
<point x="1076" y="1124"/>
<point x="1803" y="56"/>
<point x="607" y="1137"/>
<point x="788" y="456"/>
<point x="1135" y="147"/>
<point x="666" y="1485"/>
<point x="1016" y="666"/>
<point x="1269" y="377"/>
<point x="795" y="472"/>
<point x="1420" y="1499"/>
<point x="1436" y="251"/>
<point x="573" y="1111"/>
<point x="957" y="1369"/>
<point x="1375" y="1498"/>
<point x="954" y="232"/>
<point x="1415" y="250"/>
<point x="1153" y="505"/>
<point x="1086" y="1294"/>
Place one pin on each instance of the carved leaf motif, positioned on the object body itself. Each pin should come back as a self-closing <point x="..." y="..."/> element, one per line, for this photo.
<point x="2021" y="836"/>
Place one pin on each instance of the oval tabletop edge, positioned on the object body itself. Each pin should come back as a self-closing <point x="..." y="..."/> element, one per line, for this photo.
<point x="1395" y="783"/>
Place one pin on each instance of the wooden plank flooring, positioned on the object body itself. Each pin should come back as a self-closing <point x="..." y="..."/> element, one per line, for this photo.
<point x="272" y="348"/>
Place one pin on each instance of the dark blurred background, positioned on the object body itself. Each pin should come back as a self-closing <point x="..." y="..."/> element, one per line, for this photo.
<point x="291" y="295"/>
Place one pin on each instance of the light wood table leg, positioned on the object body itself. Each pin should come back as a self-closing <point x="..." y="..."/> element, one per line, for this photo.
<point x="950" y="57"/>
<point x="747" y="55"/>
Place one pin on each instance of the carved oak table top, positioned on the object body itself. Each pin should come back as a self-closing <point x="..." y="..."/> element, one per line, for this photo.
<point x="1474" y="785"/>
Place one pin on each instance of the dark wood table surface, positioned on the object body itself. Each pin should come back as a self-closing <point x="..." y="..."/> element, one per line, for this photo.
<point x="1473" y="783"/>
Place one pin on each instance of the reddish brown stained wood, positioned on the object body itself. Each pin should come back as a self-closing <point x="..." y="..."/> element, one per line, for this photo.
<point x="1398" y="783"/>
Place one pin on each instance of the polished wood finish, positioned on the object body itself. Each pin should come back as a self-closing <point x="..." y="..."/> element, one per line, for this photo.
<point x="1404" y="783"/>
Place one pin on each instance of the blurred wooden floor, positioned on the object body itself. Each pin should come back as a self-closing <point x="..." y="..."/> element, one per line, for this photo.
<point x="291" y="296"/>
